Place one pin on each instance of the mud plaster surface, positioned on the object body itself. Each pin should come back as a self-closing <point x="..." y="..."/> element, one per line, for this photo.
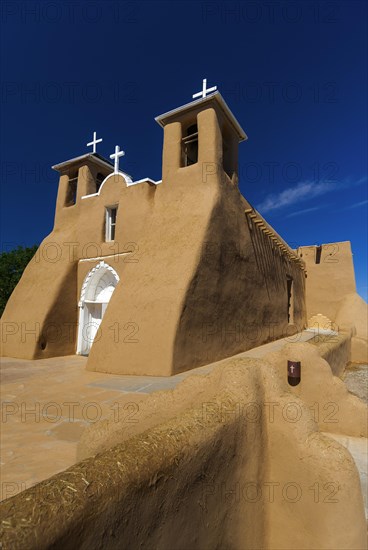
<point x="159" y="464"/>
<point x="49" y="403"/>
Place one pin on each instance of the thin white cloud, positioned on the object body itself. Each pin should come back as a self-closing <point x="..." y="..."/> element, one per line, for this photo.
<point x="293" y="195"/>
<point x="357" y="204"/>
<point x="303" y="191"/>
<point x="304" y="211"/>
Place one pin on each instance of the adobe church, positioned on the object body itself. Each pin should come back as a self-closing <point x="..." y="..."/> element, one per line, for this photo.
<point x="157" y="277"/>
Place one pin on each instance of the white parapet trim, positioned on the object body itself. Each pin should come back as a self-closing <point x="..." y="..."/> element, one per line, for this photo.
<point x="103" y="257"/>
<point x="129" y="183"/>
<point x="148" y="180"/>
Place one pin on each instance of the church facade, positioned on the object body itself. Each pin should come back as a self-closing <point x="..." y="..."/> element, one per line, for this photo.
<point x="154" y="278"/>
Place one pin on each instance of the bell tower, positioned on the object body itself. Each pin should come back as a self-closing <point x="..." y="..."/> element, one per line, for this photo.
<point x="201" y="137"/>
<point x="78" y="177"/>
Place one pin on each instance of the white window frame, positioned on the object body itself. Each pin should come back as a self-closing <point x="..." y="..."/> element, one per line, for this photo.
<point x="108" y="223"/>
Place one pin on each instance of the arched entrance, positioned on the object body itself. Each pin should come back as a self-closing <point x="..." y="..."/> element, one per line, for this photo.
<point x="96" y="292"/>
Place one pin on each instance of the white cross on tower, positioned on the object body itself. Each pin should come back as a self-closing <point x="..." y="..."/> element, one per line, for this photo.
<point x="116" y="157"/>
<point x="205" y="90"/>
<point x="94" y="142"/>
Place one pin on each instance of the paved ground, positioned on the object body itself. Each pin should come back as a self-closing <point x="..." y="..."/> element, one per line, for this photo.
<point x="47" y="404"/>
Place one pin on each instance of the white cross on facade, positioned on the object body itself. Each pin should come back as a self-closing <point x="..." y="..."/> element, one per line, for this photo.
<point x="205" y="90"/>
<point x="94" y="142"/>
<point x="116" y="157"/>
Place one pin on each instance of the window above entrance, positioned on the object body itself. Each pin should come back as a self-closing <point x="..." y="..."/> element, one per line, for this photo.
<point x="110" y="223"/>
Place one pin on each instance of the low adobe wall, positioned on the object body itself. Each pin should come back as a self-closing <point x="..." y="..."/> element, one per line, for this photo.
<point x="353" y="318"/>
<point x="335" y="349"/>
<point x="322" y="391"/>
<point x="154" y="492"/>
<point x="237" y="471"/>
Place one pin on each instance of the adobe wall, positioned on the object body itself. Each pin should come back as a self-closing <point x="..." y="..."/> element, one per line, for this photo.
<point x="352" y="317"/>
<point x="163" y="228"/>
<point x="40" y="318"/>
<point x="331" y="291"/>
<point x="210" y="275"/>
<point x="331" y="405"/>
<point x="153" y="291"/>
<point x="335" y="349"/>
<point x="207" y="283"/>
<point x="214" y="475"/>
<point x="329" y="281"/>
<point x="237" y="299"/>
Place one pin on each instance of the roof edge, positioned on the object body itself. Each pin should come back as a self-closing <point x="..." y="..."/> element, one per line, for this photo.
<point x="90" y="156"/>
<point x="216" y="96"/>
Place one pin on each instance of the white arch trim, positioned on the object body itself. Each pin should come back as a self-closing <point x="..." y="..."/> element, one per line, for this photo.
<point x="127" y="178"/>
<point x="97" y="289"/>
<point x="95" y="273"/>
<point x="129" y="183"/>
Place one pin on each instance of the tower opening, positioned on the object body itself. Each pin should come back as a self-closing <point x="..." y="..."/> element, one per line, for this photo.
<point x="71" y="192"/>
<point x="99" y="179"/>
<point x="190" y="146"/>
<point x="229" y="153"/>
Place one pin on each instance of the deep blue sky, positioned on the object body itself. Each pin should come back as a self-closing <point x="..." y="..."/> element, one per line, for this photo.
<point x="293" y="73"/>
